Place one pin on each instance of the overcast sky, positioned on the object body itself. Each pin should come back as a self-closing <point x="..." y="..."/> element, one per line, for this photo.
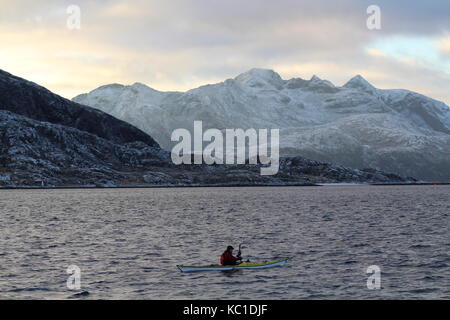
<point x="180" y="44"/>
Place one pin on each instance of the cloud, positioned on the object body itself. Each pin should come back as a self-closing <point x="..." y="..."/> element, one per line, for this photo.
<point x="124" y="10"/>
<point x="181" y="44"/>
<point x="444" y="46"/>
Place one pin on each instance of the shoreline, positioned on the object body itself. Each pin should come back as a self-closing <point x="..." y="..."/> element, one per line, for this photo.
<point x="145" y="186"/>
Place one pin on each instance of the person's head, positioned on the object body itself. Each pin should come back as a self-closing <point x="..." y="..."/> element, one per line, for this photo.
<point x="230" y="249"/>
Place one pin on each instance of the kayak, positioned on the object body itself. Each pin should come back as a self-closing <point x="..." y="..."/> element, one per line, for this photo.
<point x="243" y="265"/>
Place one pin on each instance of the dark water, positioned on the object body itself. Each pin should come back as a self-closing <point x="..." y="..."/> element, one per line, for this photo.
<point x="127" y="242"/>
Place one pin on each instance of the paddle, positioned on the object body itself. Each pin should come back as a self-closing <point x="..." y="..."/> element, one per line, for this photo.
<point x="239" y="252"/>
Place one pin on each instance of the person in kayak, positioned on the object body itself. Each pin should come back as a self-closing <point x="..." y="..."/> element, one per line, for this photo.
<point x="227" y="258"/>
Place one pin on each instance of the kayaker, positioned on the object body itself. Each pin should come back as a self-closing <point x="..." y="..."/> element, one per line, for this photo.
<point x="227" y="258"/>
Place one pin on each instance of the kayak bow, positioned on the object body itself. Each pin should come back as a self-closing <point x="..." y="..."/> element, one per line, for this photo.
<point x="244" y="265"/>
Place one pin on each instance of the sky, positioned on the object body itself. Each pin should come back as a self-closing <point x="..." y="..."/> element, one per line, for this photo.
<point x="178" y="45"/>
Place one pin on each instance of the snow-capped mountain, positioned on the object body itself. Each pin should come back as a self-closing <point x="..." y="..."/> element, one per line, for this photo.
<point x="356" y="125"/>
<point x="48" y="140"/>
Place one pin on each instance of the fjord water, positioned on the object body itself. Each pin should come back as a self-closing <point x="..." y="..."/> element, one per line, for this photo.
<point x="127" y="242"/>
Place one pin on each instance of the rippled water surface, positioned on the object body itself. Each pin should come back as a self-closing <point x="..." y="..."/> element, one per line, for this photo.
<point x="127" y="242"/>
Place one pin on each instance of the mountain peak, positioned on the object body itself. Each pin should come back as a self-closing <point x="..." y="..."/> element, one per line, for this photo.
<point x="111" y="86"/>
<point x="315" y="80"/>
<point x="139" y="84"/>
<point x="260" y="73"/>
<point x="142" y="87"/>
<point x="260" y="78"/>
<point x="358" y="82"/>
<point x="320" y="85"/>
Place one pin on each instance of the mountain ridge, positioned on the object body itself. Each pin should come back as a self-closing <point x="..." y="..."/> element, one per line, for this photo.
<point x="260" y="98"/>
<point x="36" y="102"/>
<point x="44" y="142"/>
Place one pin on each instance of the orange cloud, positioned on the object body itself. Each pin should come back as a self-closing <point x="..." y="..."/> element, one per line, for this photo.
<point x="444" y="45"/>
<point x="125" y="10"/>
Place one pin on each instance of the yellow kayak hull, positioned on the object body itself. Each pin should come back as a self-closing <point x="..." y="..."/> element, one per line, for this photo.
<point x="243" y="265"/>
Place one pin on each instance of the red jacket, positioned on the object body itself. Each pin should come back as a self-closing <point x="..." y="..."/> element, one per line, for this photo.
<point x="227" y="259"/>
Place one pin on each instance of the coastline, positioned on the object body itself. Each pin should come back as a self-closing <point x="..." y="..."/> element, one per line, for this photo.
<point x="233" y="185"/>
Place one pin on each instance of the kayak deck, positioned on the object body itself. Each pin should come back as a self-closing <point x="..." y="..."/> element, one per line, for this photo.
<point x="244" y="265"/>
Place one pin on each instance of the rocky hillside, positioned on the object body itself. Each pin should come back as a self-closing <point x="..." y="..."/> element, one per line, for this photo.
<point x="37" y="153"/>
<point x="356" y="125"/>
<point x="41" y="153"/>
<point x="45" y="142"/>
<point x="35" y="102"/>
